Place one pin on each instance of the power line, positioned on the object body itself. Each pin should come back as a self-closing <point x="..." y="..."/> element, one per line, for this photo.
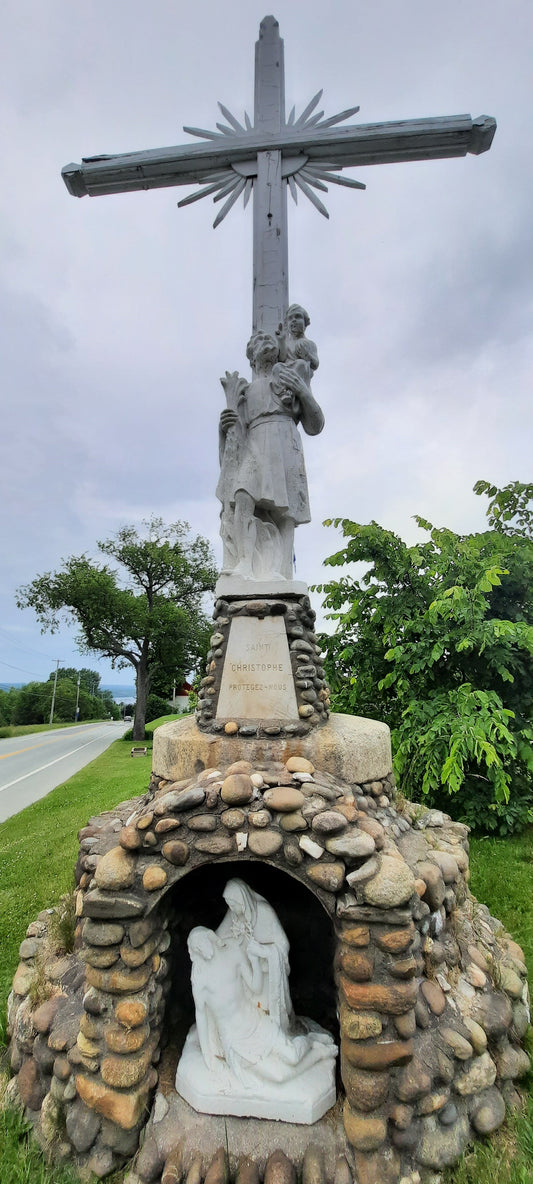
<point x="28" y="649"/>
<point x="19" y="668"/>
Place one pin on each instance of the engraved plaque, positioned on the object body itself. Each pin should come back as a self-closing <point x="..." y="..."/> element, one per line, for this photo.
<point x="257" y="680"/>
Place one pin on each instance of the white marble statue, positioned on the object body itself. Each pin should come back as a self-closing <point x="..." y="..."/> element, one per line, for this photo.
<point x="262" y="483"/>
<point x="247" y="1053"/>
<point x="294" y="346"/>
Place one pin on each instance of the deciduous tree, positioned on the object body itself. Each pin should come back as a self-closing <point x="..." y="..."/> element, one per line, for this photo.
<point x="143" y="609"/>
<point x="437" y="639"/>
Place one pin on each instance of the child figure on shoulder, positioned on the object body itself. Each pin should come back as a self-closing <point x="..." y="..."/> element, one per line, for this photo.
<point x="294" y="346"/>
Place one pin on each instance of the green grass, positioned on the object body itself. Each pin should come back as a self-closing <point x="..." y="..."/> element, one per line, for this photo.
<point x="39" y="848"/>
<point x="21" y="1161"/>
<point x="502" y="878"/>
<point x="155" y="723"/>
<point x="9" y="730"/>
<point x="507" y="1158"/>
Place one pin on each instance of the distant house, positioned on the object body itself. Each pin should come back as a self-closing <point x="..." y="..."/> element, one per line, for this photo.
<point x="180" y="698"/>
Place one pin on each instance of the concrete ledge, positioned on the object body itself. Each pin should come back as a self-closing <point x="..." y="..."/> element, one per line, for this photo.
<point x="348" y="746"/>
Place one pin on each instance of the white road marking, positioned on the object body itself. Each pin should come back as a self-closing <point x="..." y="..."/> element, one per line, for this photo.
<point x="43" y="767"/>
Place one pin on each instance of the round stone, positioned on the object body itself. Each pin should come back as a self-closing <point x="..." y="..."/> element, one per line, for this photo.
<point x="329" y="876"/>
<point x="461" y="1048"/>
<point x="475" y="976"/>
<point x="130" y="838"/>
<point x="447" y="864"/>
<point x="264" y="842"/>
<point x="512" y="1061"/>
<point x="478" y="1038"/>
<point x="131" y="1013"/>
<point x="363" y="1131"/>
<point x="293" y="822"/>
<point x="231" y="728"/>
<point x="494" y="1012"/>
<point x="367" y="870"/>
<point x="329" y="822"/>
<point x="434" y="996"/>
<point x="236" y="789"/>
<point x="233" y="819"/>
<point x="448" y="1114"/>
<point x="283" y="800"/>
<point x="239" y="767"/>
<point x="154" y="878"/>
<point x="299" y="764"/>
<point x="167" y="824"/>
<point x="510" y="982"/>
<point x="185" y="799"/>
<point x="393" y="885"/>
<point x="102" y="933"/>
<point x="359" y="1025"/>
<point x="374" y="828"/>
<point x="480" y="1075"/>
<point x="202" y="822"/>
<point x="352" y="845"/>
<point x="217" y="844"/>
<point x="176" y="852"/>
<point x="115" y="870"/>
<point x="489" y="1112"/>
<point x="260" y="818"/>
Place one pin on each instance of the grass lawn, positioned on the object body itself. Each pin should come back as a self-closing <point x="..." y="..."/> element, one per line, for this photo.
<point x="9" y="730"/>
<point x="39" y="846"/>
<point x="38" y="851"/>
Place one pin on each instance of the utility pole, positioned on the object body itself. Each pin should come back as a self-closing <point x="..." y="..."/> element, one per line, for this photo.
<point x="76" y="713"/>
<point x="58" y="660"/>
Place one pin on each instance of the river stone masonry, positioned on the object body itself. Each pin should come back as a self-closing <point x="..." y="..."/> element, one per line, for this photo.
<point x="432" y="993"/>
<point x="306" y="669"/>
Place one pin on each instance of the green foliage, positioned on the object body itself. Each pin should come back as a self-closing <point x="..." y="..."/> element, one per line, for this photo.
<point x="156" y="707"/>
<point x="62" y="923"/>
<point x="144" y="611"/>
<point x="437" y="639"/>
<point x="21" y="1159"/>
<point x="33" y="703"/>
<point x="8" y="700"/>
<point x="89" y="679"/>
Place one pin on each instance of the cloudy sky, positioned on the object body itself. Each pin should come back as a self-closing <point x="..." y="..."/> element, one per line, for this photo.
<point x="119" y="314"/>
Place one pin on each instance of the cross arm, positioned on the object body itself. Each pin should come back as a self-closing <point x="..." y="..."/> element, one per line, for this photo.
<point x="346" y="147"/>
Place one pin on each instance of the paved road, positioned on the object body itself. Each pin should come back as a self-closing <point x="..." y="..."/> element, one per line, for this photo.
<point x="32" y="765"/>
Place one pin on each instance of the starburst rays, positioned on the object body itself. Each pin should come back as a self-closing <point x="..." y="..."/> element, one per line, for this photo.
<point x="300" y="173"/>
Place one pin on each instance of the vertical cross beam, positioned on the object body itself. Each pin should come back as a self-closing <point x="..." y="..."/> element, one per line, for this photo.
<point x="271" y="267"/>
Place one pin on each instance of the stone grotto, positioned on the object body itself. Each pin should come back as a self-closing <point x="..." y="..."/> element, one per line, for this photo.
<point x="278" y="968"/>
<point x="420" y="988"/>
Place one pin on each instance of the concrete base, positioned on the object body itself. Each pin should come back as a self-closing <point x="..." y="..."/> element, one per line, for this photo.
<point x="253" y="1137"/>
<point x="236" y="586"/>
<point x="347" y="746"/>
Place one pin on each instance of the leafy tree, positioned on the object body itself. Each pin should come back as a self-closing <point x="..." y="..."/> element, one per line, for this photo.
<point x="144" y="611"/>
<point x="109" y="707"/>
<point x="29" y="708"/>
<point x="89" y="679"/>
<point x="8" y="702"/>
<point x="156" y="707"/>
<point x="437" y="639"/>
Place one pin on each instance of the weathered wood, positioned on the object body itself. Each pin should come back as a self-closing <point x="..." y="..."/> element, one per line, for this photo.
<point x="272" y="157"/>
<point x="271" y="257"/>
<point x="360" y="145"/>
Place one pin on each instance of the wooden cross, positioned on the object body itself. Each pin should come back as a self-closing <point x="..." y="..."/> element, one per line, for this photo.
<point x="274" y="155"/>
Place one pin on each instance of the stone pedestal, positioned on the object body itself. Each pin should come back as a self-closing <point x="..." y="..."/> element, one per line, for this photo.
<point x="264" y="673"/>
<point x="356" y="749"/>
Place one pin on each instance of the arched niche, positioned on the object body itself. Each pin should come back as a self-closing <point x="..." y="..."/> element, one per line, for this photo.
<point x="196" y="899"/>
